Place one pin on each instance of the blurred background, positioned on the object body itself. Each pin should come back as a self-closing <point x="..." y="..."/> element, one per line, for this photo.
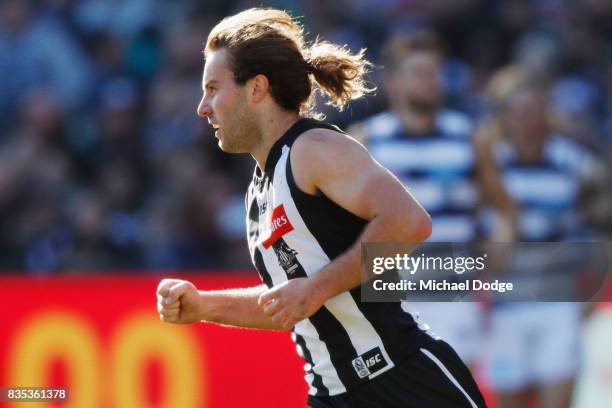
<point x="105" y="167"/>
<point x="104" y="163"/>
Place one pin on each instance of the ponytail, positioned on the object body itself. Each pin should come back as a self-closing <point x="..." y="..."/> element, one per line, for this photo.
<point x="338" y="73"/>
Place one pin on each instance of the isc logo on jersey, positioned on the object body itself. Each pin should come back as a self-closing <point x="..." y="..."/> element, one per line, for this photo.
<point x="369" y="362"/>
<point x="279" y="225"/>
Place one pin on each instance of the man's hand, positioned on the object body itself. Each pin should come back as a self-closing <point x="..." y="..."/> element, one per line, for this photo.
<point x="290" y="302"/>
<point x="177" y="301"/>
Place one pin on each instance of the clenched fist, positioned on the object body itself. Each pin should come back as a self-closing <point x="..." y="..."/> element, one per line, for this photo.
<point x="178" y="301"/>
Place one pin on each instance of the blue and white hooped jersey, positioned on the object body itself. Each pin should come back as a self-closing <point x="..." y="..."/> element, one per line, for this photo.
<point x="547" y="192"/>
<point x="437" y="168"/>
<point x="293" y="234"/>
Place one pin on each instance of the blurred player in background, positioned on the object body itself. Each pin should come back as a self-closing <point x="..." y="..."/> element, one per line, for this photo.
<point x="532" y="179"/>
<point x="316" y="195"/>
<point x="429" y="149"/>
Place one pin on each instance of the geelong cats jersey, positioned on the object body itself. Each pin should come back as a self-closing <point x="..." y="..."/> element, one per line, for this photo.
<point x="292" y="234"/>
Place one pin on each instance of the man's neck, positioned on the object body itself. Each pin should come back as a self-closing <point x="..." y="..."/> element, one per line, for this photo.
<point x="272" y="129"/>
<point x="418" y="123"/>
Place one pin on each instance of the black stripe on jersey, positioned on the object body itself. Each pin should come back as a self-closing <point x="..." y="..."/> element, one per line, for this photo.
<point x="254" y="218"/>
<point x="254" y="209"/>
<point x="334" y="228"/>
<point x="339" y="345"/>
<point x="260" y="265"/>
<point x="317" y="381"/>
<point x="286" y="257"/>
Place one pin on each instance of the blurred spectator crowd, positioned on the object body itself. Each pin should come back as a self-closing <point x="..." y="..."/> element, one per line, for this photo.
<point x="105" y="165"/>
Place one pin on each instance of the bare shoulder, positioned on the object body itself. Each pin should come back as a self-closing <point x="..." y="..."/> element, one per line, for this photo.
<point x="318" y="144"/>
<point x="323" y="153"/>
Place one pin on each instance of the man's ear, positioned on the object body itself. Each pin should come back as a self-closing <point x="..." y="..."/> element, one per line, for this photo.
<point x="259" y="88"/>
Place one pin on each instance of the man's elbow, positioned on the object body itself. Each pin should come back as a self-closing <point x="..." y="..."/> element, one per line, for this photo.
<point x="418" y="227"/>
<point x="424" y="226"/>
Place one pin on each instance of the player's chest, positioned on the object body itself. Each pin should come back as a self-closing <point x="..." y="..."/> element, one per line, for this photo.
<point x="268" y="219"/>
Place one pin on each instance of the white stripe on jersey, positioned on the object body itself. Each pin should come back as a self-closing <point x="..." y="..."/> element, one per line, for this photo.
<point x="320" y="356"/>
<point x="361" y="332"/>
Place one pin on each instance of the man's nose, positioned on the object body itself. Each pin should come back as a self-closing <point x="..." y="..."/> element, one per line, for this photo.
<point x="204" y="109"/>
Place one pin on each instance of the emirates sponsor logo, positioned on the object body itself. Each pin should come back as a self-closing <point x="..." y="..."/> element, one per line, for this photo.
<point x="279" y="226"/>
<point x="279" y="222"/>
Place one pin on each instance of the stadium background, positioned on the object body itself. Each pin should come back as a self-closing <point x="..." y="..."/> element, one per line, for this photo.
<point x="109" y="181"/>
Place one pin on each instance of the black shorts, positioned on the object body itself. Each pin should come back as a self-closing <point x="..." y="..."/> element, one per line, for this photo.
<point x="434" y="377"/>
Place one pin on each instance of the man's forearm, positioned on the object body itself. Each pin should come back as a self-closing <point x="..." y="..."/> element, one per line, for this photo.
<point x="235" y="307"/>
<point x="344" y="273"/>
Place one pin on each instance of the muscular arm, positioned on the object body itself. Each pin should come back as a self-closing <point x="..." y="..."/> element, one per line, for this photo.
<point x="324" y="162"/>
<point x="180" y="302"/>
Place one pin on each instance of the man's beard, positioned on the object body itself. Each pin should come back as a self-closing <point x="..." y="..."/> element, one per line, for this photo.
<point x="243" y="134"/>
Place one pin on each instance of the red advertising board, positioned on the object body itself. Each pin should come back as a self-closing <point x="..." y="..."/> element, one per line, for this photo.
<point x="100" y="337"/>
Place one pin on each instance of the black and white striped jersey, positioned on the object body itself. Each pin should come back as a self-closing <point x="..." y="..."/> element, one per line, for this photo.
<point x="293" y="234"/>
